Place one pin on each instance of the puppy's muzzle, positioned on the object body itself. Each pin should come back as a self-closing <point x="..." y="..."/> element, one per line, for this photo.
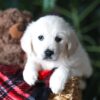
<point x="48" y="54"/>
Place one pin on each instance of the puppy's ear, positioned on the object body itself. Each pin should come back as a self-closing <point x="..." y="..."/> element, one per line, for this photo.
<point x="26" y="42"/>
<point x="72" y="44"/>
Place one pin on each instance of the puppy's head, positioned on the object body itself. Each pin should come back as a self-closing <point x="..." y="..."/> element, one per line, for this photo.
<point x="48" y="38"/>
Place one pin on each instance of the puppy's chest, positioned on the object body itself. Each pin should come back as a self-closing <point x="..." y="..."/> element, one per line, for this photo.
<point x="52" y="64"/>
<point x="55" y="64"/>
<point x="49" y="65"/>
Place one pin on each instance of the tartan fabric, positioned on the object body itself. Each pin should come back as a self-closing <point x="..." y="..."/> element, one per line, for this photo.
<point x="12" y="86"/>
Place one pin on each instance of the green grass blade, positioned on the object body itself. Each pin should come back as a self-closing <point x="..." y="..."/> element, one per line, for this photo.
<point x="93" y="49"/>
<point x="48" y="5"/>
<point x="91" y="26"/>
<point x="63" y="11"/>
<point x="96" y="63"/>
<point x="88" y="10"/>
<point x="89" y="40"/>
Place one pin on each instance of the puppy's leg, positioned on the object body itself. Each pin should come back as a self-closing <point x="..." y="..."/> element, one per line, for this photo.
<point x="30" y="73"/>
<point x="58" y="79"/>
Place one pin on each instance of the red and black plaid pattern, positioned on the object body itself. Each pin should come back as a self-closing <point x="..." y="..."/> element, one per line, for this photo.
<point x="12" y="86"/>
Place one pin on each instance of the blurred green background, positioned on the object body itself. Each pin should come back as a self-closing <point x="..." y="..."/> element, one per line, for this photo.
<point x="84" y="16"/>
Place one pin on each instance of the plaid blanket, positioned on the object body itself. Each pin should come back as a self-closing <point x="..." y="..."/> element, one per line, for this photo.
<point x="12" y="86"/>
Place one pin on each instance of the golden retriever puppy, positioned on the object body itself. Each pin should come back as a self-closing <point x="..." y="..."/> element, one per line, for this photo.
<point x="50" y="43"/>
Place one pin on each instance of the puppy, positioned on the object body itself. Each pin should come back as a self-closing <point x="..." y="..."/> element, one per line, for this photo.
<point x="50" y="43"/>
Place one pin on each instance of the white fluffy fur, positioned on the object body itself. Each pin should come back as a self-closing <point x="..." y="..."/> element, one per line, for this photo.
<point x="69" y="56"/>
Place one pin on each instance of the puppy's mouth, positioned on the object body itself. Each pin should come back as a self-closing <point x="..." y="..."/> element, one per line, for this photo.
<point x="51" y="58"/>
<point x="47" y="58"/>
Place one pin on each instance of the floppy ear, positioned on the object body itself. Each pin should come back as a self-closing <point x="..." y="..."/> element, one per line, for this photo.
<point x="72" y="44"/>
<point x="26" y="42"/>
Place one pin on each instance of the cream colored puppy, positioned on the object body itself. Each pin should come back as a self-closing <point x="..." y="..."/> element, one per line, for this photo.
<point x="50" y="43"/>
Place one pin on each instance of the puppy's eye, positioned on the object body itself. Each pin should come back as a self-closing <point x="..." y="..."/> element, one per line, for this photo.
<point x="58" y="39"/>
<point x="41" y="37"/>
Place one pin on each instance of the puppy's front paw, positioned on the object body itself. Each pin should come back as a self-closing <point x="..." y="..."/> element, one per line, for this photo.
<point x="30" y="77"/>
<point x="56" y="84"/>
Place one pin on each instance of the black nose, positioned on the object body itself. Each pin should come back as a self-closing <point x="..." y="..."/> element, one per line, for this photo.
<point x="49" y="53"/>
